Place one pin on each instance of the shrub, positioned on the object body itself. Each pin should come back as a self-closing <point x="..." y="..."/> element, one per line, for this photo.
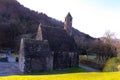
<point x="112" y="65"/>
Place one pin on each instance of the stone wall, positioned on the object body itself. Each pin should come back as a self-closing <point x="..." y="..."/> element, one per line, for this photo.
<point x="74" y="59"/>
<point x="35" y="56"/>
<point x="65" y="59"/>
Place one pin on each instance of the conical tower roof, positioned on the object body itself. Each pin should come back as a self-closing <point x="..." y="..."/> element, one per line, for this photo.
<point x="69" y="15"/>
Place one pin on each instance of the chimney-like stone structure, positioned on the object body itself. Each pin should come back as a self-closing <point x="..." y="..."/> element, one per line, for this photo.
<point x="21" y="56"/>
<point x="39" y="33"/>
<point x="68" y="24"/>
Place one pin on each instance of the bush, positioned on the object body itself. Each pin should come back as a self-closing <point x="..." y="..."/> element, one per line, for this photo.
<point x="112" y="65"/>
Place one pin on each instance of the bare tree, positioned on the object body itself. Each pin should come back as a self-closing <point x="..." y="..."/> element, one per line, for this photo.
<point x="105" y="48"/>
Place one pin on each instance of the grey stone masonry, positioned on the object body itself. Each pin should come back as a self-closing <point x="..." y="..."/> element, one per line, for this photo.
<point x="68" y="24"/>
<point x="35" y="56"/>
<point x="39" y="33"/>
<point x="53" y="48"/>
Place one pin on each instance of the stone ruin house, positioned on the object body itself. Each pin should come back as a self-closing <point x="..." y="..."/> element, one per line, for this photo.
<point x="53" y="48"/>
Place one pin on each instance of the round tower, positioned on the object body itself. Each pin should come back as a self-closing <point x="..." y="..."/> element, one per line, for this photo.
<point x="68" y="24"/>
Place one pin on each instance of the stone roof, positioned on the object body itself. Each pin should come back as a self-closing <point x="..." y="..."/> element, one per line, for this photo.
<point x="58" y="39"/>
<point x="36" y="48"/>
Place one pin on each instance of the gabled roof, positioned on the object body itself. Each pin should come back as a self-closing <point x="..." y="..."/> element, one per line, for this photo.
<point x="58" y="39"/>
<point x="35" y="48"/>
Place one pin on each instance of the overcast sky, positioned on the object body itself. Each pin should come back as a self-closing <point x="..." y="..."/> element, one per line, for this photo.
<point x="93" y="17"/>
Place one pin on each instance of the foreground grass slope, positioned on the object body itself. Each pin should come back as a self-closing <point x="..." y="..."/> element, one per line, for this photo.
<point x="69" y="76"/>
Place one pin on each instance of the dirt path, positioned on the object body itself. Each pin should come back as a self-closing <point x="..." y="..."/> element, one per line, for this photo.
<point x="7" y="68"/>
<point x="89" y="68"/>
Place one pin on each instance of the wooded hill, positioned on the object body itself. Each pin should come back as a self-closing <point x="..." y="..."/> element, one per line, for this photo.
<point x="17" y="21"/>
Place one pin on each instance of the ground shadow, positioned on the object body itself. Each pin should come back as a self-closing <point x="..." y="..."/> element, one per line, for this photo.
<point x="60" y="71"/>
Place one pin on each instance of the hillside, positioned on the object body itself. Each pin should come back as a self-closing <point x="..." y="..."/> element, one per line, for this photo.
<point x="82" y="38"/>
<point x="17" y="21"/>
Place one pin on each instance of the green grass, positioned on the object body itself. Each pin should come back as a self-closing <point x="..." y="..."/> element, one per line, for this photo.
<point x="63" y="71"/>
<point x="15" y="55"/>
<point x="68" y="76"/>
<point x="90" y="57"/>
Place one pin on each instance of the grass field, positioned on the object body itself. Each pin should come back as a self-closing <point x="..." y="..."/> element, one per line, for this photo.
<point x="63" y="71"/>
<point x="69" y="76"/>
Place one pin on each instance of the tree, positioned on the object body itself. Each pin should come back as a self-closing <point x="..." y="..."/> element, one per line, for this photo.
<point x="109" y="41"/>
<point x="109" y="38"/>
<point x="104" y="48"/>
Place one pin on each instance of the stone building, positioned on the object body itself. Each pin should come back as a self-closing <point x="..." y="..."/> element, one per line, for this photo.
<point x="53" y="48"/>
<point x="35" y="56"/>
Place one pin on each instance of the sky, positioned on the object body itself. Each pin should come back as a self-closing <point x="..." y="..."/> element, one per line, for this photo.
<point x="93" y="17"/>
